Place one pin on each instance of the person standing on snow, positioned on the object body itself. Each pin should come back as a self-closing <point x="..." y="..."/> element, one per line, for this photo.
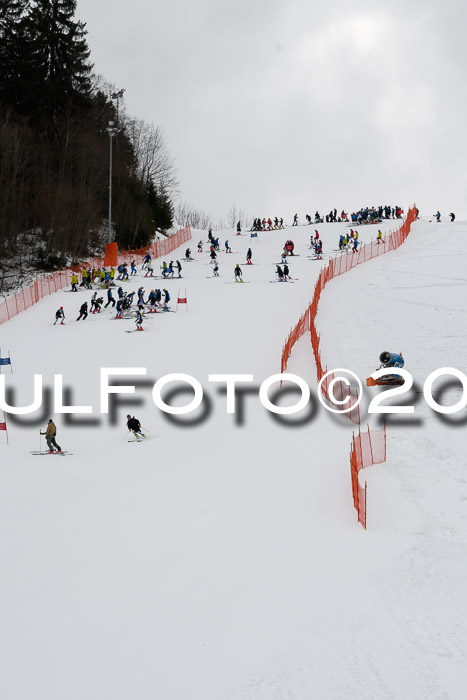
<point x="83" y="312"/>
<point x="60" y="315"/>
<point x="119" y="309"/>
<point x="238" y="274"/>
<point x="166" y="299"/>
<point x="50" y="435"/>
<point x="139" y="321"/>
<point x="110" y="299"/>
<point x="249" y="255"/>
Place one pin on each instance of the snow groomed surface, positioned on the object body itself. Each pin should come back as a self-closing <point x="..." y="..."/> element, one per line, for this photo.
<point x="223" y="559"/>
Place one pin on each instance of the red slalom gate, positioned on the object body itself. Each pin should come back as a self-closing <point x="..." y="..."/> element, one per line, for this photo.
<point x="182" y="300"/>
<point x="367" y="449"/>
<point x="3" y="427"/>
<point x="48" y="284"/>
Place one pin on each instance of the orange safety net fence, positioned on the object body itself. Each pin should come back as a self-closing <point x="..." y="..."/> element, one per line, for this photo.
<point x="48" y="284"/>
<point x="336" y="266"/>
<point x="367" y="449"/>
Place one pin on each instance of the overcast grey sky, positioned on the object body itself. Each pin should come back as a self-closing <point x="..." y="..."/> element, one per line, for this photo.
<point x="296" y="105"/>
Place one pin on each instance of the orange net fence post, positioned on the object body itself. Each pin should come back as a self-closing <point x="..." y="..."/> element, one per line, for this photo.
<point x="367" y="449"/>
<point x="111" y="255"/>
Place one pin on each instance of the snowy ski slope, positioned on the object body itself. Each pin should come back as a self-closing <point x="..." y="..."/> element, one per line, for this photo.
<point x="223" y="560"/>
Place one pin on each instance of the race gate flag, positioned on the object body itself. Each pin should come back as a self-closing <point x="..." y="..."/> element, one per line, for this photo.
<point x="181" y="300"/>
<point x="5" y="361"/>
<point x="3" y="427"/>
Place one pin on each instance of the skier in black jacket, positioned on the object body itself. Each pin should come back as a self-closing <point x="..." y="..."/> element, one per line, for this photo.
<point x="134" y="426"/>
<point x="83" y="312"/>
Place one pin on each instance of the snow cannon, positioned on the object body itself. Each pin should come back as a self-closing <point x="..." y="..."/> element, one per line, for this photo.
<point x="388" y="360"/>
<point x="391" y="359"/>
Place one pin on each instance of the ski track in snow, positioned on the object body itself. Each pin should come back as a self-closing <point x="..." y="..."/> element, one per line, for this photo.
<point x="222" y="562"/>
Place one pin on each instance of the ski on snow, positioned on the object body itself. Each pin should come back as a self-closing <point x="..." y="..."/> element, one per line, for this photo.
<point x="42" y="452"/>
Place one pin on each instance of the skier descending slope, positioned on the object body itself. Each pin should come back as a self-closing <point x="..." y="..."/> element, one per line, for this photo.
<point x="249" y="256"/>
<point x="134" y="426"/>
<point x="238" y="274"/>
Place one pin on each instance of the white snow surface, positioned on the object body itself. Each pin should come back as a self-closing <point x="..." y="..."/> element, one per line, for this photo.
<point x="224" y="561"/>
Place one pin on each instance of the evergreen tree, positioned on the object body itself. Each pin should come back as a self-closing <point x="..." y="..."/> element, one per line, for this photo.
<point x="160" y="205"/>
<point x="13" y="51"/>
<point x="59" y="56"/>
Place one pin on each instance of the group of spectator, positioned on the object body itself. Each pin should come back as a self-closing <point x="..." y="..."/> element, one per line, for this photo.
<point x="267" y="224"/>
<point x="365" y="215"/>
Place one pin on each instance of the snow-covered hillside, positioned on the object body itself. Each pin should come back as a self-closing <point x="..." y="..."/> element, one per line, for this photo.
<point x="222" y="560"/>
